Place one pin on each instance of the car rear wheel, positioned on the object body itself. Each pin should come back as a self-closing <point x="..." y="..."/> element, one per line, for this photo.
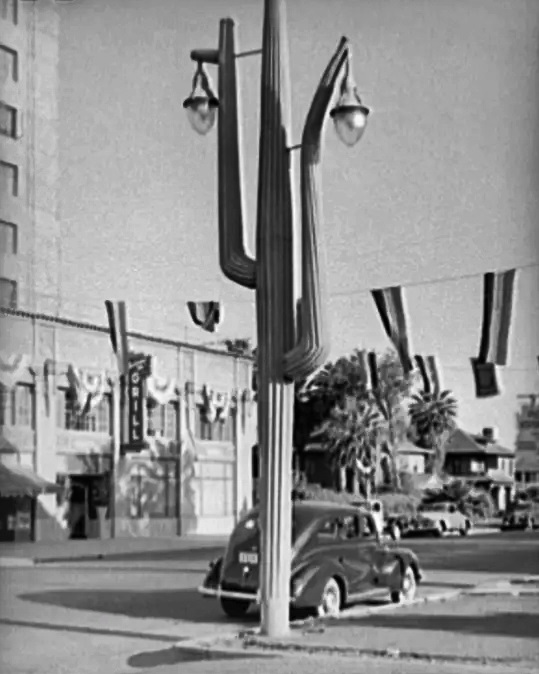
<point x="234" y="608"/>
<point x="441" y="528"/>
<point x="330" y="602"/>
<point x="408" y="588"/>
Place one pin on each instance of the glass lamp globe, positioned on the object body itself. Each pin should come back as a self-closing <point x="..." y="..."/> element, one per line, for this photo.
<point x="201" y="112"/>
<point x="350" y="117"/>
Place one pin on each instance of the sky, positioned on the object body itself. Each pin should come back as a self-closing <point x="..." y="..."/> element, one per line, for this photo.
<point x="441" y="188"/>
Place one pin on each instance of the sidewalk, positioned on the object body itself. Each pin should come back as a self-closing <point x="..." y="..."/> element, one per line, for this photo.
<point x="490" y="620"/>
<point x="42" y="552"/>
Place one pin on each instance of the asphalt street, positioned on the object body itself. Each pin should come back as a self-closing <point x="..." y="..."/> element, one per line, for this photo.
<point x="125" y="614"/>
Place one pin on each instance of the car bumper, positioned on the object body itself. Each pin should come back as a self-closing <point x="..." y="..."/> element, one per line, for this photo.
<point x="218" y="593"/>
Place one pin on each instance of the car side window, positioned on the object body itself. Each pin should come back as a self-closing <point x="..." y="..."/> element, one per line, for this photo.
<point x="348" y="527"/>
<point x="327" y="530"/>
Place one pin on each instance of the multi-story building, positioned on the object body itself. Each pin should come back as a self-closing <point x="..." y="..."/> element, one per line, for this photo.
<point x="527" y="462"/>
<point x="195" y="474"/>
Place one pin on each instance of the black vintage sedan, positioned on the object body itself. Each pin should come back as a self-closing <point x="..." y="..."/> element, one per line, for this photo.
<point x="338" y="557"/>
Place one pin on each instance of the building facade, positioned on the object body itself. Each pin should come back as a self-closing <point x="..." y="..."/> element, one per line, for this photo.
<point x="527" y="455"/>
<point x="193" y="475"/>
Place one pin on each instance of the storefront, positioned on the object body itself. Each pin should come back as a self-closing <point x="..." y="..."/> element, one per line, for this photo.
<point x="19" y="489"/>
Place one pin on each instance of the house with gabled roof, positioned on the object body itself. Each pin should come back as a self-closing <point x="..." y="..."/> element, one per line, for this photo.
<point x="479" y="459"/>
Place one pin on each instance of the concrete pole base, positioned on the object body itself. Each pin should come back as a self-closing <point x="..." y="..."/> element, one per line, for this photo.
<point x="275" y="618"/>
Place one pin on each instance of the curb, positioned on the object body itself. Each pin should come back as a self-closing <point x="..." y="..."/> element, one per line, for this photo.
<point x="250" y="641"/>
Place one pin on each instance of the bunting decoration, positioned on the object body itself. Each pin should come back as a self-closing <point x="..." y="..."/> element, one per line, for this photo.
<point x="498" y="297"/>
<point x="88" y="389"/>
<point x="392" y="311"/>
<point x="210" y="404"/>
<point x="430" y="373"/>
<point x="161" y="390"/>
<point x="12" y="368"/>
<point x="223" y="403"/>
<point x="117" y="316"/>
<point x="207" y="315"/>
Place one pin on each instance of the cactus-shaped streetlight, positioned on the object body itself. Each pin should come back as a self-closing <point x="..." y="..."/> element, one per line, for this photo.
<point x="292" y="331"/>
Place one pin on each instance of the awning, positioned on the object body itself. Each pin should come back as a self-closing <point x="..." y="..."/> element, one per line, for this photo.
<point x="19" y="480"/>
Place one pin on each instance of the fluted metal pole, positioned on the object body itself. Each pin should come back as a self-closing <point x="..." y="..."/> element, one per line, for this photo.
<point x="275" y="303"/>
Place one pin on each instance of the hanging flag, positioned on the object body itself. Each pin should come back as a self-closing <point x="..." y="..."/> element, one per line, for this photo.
<point x="117" y="315"/>
<point x="430" y="373"/>
<point x="369" y="370"/>
<point x="390" y="305"/>
<point x="207" y="315"/>
<point x="486" y="378"/>
<point x="498" y="294"/>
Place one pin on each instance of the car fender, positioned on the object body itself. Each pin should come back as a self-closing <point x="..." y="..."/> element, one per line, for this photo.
<point x="313" y="579"/>
<point x="405" y="557"/>
<point x="213" y="574"/>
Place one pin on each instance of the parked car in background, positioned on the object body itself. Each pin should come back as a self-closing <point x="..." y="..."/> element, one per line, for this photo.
<point x="521" y="515"/>
<point x="337" y="558"/>
<point x="441" y="518"/>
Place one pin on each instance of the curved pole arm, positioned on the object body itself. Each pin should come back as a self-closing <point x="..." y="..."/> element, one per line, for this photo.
<point x="236" y="264"/>
<point x="312" y="348"/>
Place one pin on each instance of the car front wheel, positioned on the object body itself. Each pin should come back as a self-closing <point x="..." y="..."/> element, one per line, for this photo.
<point x="234" y="608"/>
<point x="465" y="529"/>
<point x="330" y="602"/>
<point x="408" y="588"/>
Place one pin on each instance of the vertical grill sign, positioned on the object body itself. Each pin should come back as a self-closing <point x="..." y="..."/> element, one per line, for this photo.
<point x="139" y="370"/>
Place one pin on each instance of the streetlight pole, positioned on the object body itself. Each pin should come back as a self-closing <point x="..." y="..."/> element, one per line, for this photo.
<point x="292" y="332"/>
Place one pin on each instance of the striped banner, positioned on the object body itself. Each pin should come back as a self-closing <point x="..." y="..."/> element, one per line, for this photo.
<point x="369" y="370"/>
<point x="430" y="373"/>
<point x="390" y="305"/>
<point x="117" y="316"/>
<point x="498" y="293"/>
<point x="207" y="315"/>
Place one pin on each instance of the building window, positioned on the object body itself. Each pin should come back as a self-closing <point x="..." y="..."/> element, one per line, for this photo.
<point x="8" y="237"/>
<point x="163" y="419"/>
<point x="17" y="406"/>
<point x="8" y="293"/>
<point x="153" y="489"/>
<point x="8" y="120"/>
<point x="9" y="10"/>
<point x="98" y="420"/>
<point x="9" y="174"/>
<point x="9" y="64"/>
<point x="221" y="431"/>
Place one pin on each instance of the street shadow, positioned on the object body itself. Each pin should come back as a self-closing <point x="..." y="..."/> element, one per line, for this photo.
<point x="503" y="624"/>
<point x="184" y="604"/>
<point x="173" y="656"/>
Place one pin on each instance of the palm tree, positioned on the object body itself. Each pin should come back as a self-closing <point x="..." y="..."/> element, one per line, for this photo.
<point x="432" y="415"/>
<point x="351" y="433"/>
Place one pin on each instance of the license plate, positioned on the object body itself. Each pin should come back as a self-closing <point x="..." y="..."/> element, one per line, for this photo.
<point x="248" y="558"/>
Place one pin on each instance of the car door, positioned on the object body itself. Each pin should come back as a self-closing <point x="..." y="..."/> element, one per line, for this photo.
<point x="362" y="546"/>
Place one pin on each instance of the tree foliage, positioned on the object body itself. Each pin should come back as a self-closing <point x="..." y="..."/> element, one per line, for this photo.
<point x="323" y="409"/>
<point x="432" y="416"/>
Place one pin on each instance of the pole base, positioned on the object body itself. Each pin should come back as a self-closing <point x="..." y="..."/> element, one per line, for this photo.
<point x="275" y="618"/>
